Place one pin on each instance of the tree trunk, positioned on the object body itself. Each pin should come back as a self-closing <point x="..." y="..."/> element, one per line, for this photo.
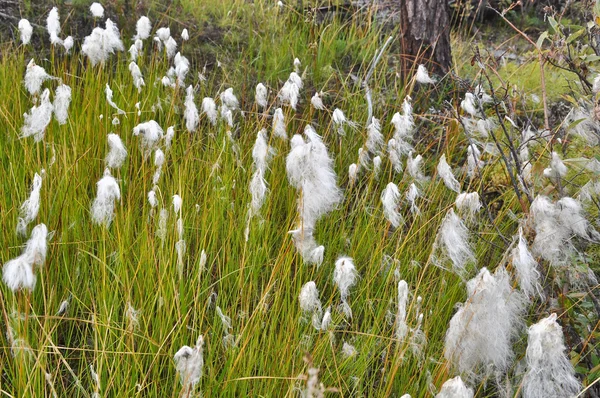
<point x="425" y="35"/>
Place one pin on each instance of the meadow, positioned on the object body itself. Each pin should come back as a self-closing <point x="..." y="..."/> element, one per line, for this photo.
<point x="174" y="258"/>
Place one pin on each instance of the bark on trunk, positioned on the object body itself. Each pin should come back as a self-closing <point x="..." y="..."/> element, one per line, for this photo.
<point x="425" y="39"/>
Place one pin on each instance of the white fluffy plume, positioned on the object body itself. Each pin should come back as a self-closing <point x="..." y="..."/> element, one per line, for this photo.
<point x="310" y="170"/>
<point x="390" y="199"/>
<point x="30" y="207"/>
<point x="422" y="76"/>
<point x="62" y="100"/>
<point x="117" y="153"/>
<point x="455" y="388"/>
<point x="401" y="326"/>
<point x="452" y="241"/>
<point x="26" y="31"/>
<point x="526" y="267"/>
<point x="136" y="74"/>
<point x="53" y="26"/>
<point x="345" y="276"/>
<point x="279" y="129"/>
<point x="143" y="28"/>
<point x="109" y="99"/>
<point x="549" y="371"/>
<point x="445" y="173"/>
<point x="261" y="95"/>
<point x="101" y="43"/>
<point x="35" y="75"/>
<point x="38" y="118"/>
<point x="190" y="114"/>
<point x="310" y="303"/>
<point x="151" y="133"/>
<point x="480" y="336"/>
<point x="108" y="192"/>
<point x="468" y="204"/>
<point x="189" y="363"/>
<point x="209" y="108"/>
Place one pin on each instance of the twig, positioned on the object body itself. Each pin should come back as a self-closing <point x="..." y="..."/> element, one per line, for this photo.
<point x="541" y="61"/>
<point x="365" y="82"/>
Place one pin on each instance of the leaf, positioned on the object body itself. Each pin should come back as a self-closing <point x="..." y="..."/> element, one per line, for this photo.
<point x="553" y="23"/>
<point x="575" y="36"/>
<point x="541" y="39"/>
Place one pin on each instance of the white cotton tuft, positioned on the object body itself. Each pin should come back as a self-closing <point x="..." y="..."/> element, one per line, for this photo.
<point x="557" y="168"/>
<point x="35" y="75"/>
<point x="390" y="199"/>
<point x="394" y="155"/>
<point x="170" y="134"/>
<point x="549" y="371"/>
<point x="445" y="173"/>
<point x="68" y="44"/>
<point x="404" y="125"/>
<point x="555" y="225"/>
<point x="209" y="108"/>
<point x="297" y="65"/>
<point x="185" y="35"/>
<point x="261" y="154"/>
<point x="289" y="94"/>
<point x="348" y="350"/>
<point x="279" y="129"/>
<point x="412" y="195"/>
<point x="345" y="276"/>
<point x="317" y="102"/>
<point x="163" y="34"/>
<point x="26" y="31"/>
<point x="103" y="206"/>
<point x="62" y="100"/>
<point x="455" y="388"/>
<point x="401" y="326"/>
<point x="189" y="363"/>
<point x="170" y="47"/>
<point x="101" y="43"/>
<point x="143" y="28"/>
<point x="526" y="267"/>
<point x="296" y="79"/>
<point x="53" y="26"/>
<point x="109" y="99"/>
<point x="339" y="119"/>
<point x="353" y="170"/>
<point x="97" y="10"/>
<point x="377" y="165"/>
<point x="482" y="331"/>
<point x="152" y="200"/>
<point x="116" y="153"/>
<point x="36" y="247"/>
<point x="38" y="118"/>
<point x="31" y="206"/>
<point x="474" y="163"/>
<point x="260" y="95"/>
<point x="306" y="245"/>
<point x="310" y="169"/>
<point x="374" y="137"/>
<point x="182" y="67"/>
<point x="151" y="133"/>
<point x="453" y="241"/>
<point x="177" y="202"/>
<point x="468" y="204"/>
<point x="413" y="166"/>
<point x="310" y="303"/>
<point x="136" y="74"/>
<point x="18" y="274"/>
<point x="191" y="111"/>
<point x="469" y="105"/>
<point x="422" y="76"/>
<point x="229" y="99"/>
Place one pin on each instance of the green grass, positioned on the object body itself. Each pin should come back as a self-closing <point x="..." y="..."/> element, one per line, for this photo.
<point x="257" y="282"/>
